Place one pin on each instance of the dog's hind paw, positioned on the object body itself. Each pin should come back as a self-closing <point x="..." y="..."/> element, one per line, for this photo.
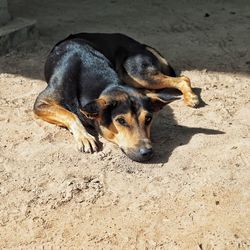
<point x="191" y="100"/>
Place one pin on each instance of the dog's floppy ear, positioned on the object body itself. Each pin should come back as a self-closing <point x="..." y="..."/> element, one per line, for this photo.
<point x="93" y="109"/>
<point x="159" y="100"/>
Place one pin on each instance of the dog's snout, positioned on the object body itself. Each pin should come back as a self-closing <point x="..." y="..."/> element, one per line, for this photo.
<point x="141" y="154"/>
<point x="146" y="152"/>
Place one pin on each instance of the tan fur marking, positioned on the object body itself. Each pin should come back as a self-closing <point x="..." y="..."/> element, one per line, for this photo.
<point x="161" y="81"/>
<point x="142" y="118"/>
<point x="109" y="133"/>
<point x="52" y="112"/>
<point x="133" y="81"/>
<point x="157" y="55"/>
<point x="181" y="83"/>
<point x="129" y="136"/>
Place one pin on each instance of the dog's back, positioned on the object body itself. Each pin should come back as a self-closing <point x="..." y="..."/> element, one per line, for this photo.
<point x="109" y="44"/>
<point x="117" y="48"/>
<point x="77" y="69"/>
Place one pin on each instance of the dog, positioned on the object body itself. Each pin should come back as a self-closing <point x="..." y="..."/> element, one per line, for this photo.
<point x="112" y="83"/>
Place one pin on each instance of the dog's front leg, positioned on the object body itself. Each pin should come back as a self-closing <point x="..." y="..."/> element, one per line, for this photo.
<point x="85" y="141"/>
<point x="54" y="113"/>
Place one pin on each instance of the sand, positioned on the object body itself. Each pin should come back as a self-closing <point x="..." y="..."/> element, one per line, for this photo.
<point x="194" y="193"/>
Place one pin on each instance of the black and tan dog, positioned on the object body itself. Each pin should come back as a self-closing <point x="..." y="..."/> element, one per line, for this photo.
<point x="110" y="82"/>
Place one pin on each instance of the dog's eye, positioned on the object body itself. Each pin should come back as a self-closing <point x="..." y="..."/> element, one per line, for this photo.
<point x="148" y="119"/>
<point x="121" y="121"/>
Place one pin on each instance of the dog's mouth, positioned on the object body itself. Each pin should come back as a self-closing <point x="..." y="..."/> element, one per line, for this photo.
<point x="139" y="155"/>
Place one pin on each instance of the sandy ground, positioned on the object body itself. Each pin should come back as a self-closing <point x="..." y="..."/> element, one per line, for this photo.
<point x="194" y="194"/>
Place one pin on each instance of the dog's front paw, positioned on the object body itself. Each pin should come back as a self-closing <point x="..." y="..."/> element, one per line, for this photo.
<point x="191" y="100"/>
<point x="86" y="143"/>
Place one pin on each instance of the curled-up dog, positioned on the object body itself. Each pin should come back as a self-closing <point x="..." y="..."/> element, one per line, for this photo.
<point x="110" y="82"/>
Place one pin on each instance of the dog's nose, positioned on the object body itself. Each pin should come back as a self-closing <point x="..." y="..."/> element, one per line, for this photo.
<point x="146" y="152"/>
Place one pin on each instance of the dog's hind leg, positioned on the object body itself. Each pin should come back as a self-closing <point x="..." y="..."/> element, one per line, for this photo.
<point x="161" y="81"/>
<point x="152" y="72"/>
<point x="53" y="112"/>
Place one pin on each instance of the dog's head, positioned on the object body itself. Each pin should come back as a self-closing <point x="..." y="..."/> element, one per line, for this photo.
<point x="124" y="117"/>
